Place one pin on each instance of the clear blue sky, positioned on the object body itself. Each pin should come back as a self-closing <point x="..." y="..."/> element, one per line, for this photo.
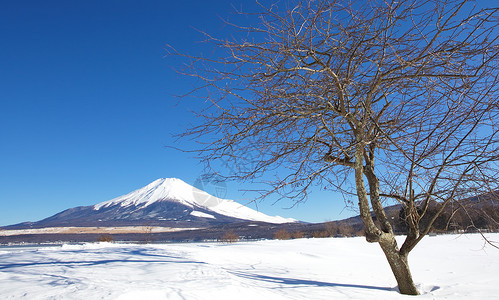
<point x="87" y="105"/>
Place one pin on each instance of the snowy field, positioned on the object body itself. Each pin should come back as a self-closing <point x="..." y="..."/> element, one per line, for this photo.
<point x="445" y="267"/>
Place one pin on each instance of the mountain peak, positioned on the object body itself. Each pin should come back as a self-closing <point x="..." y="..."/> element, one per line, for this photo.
<point x="158" y="190"/>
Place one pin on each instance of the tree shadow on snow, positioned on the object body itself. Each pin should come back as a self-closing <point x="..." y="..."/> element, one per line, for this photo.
<point x="293" y="282"/>
<point x="71" y="264"/>
<point x="135" y="256"/>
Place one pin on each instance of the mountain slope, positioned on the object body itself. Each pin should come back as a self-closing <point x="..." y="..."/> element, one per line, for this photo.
<point x="166" y="201"/>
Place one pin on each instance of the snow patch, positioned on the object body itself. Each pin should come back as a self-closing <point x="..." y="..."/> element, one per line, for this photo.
<point x="201" y="214"/>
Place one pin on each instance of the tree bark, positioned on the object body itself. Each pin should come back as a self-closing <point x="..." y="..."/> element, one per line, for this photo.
<point x="399" y="264"/>
<point x="385" y="237"/>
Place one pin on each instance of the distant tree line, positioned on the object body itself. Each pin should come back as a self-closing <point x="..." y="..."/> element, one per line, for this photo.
<point x="461" y="219"/>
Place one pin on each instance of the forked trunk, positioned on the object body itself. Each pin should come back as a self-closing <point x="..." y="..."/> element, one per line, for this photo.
<point x="398" y="264"/>
<point x="384" y="236"/>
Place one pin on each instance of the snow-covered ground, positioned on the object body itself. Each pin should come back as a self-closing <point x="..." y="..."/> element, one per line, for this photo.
<point x="445" y="267"/>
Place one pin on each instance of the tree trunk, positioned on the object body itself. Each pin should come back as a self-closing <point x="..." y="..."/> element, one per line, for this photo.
<point x="386" y="239"/>
<point x="398" y="264"/>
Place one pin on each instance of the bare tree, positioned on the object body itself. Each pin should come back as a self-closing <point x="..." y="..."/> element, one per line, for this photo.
<point x="385" y="100"/>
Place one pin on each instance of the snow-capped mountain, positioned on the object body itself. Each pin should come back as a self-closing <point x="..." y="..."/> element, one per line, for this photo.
<point x="166" y="201"/>
<point x="200" y="203"/>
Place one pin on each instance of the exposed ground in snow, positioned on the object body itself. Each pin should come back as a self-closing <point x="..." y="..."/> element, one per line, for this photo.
<point x="445" y="267"/>
<point x="109" y="230"/>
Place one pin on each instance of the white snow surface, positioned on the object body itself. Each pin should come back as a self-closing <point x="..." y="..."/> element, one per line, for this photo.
<point x="444" y="267"/>
<point x="174" y="189"/>
<point x="201" y="214"/>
